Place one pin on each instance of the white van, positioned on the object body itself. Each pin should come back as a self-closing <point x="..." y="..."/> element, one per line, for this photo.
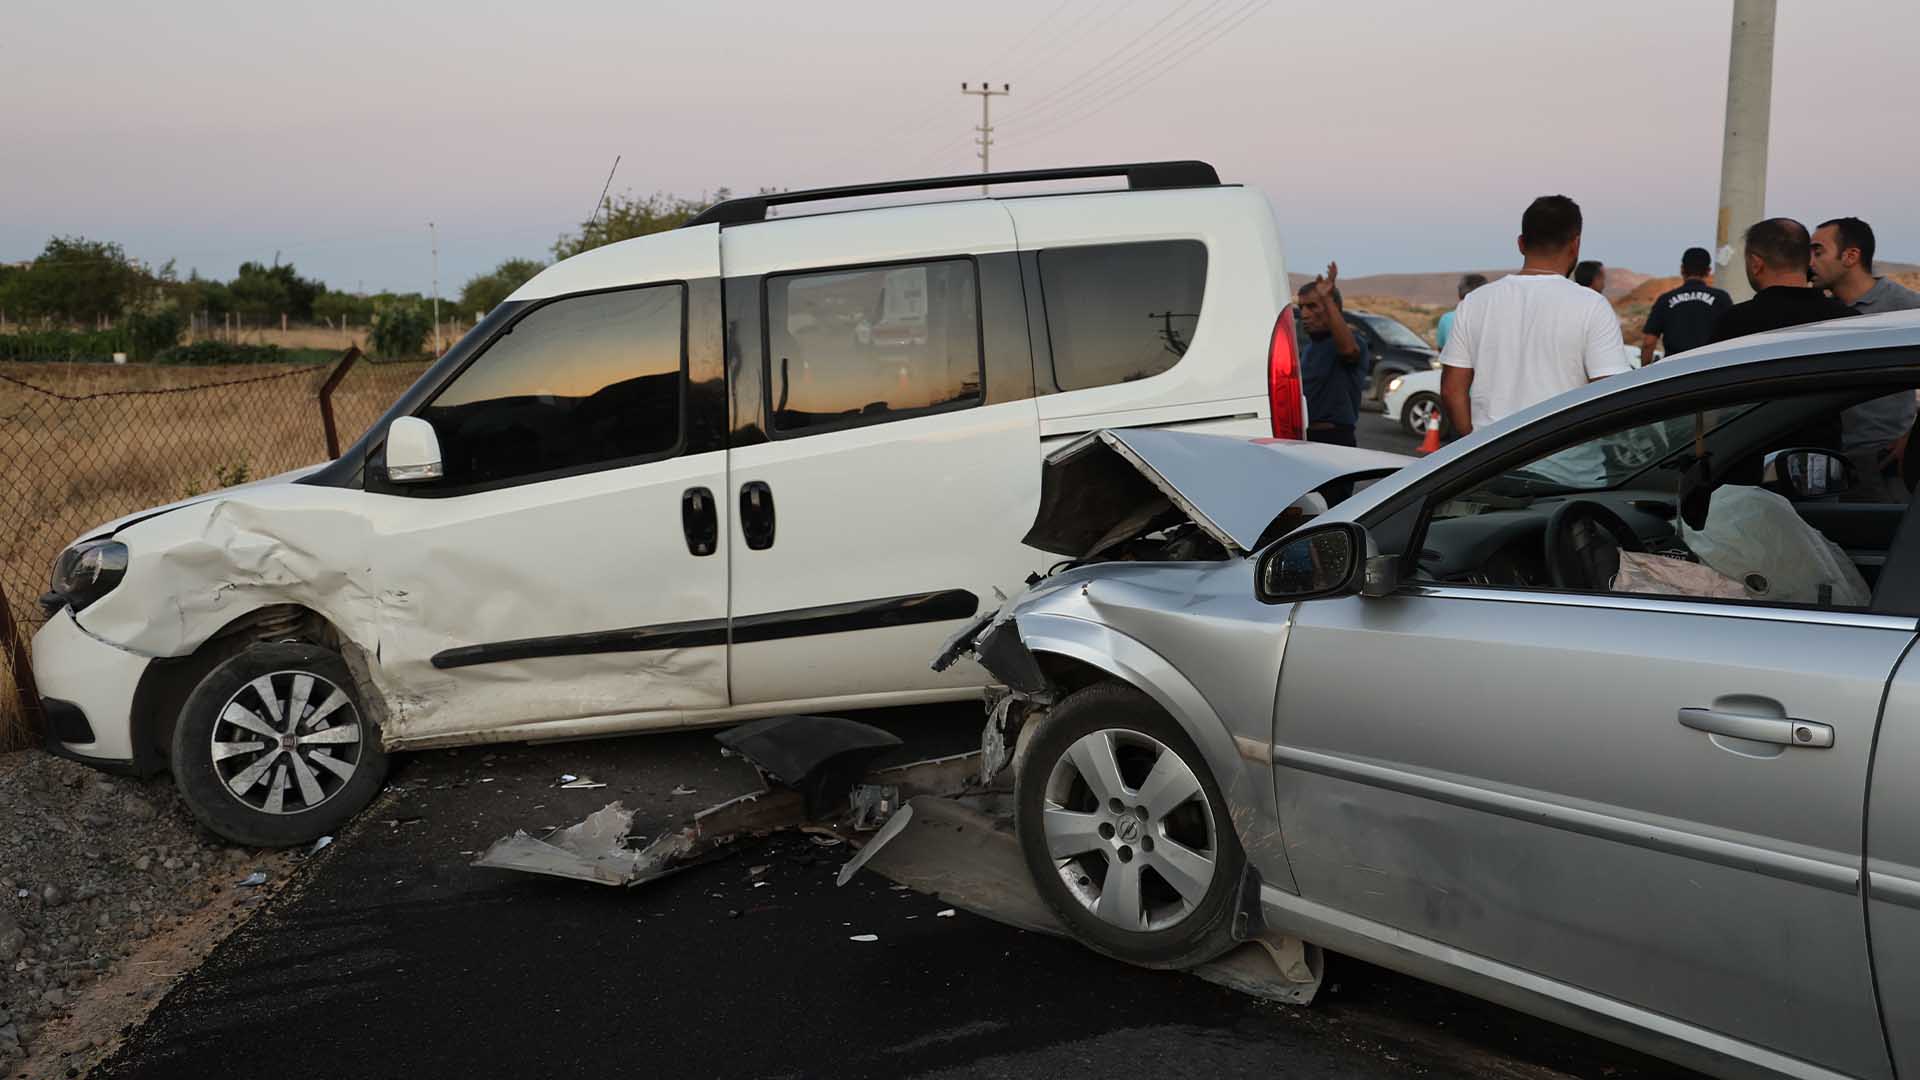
<point x="748" y="467"/>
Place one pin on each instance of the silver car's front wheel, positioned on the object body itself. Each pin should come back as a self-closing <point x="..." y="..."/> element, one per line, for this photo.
<point x="1129" y="830"/>
<point x="1125" y="831"/>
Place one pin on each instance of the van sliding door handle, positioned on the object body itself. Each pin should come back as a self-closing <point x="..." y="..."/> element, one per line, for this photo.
<point x="756" y="514"/>
<point x="1771" y="729"/>
<point x="701" y="520"/>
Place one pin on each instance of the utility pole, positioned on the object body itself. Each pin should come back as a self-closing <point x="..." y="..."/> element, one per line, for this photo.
<point x="986" y="94"/>
<point x="1743" y="151"/>
<point x="433" y="235"/>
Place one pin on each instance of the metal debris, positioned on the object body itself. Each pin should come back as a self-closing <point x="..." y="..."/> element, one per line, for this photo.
<point x="258" y="877"/>
<point x="582" y="783"/>
<point x="592" y="850"/>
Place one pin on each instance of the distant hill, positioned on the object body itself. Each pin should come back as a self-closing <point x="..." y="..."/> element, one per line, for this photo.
<point x="1438" y="289"/>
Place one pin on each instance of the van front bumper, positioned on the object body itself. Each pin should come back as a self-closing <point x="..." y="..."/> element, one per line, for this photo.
<point x="87" y="686"/>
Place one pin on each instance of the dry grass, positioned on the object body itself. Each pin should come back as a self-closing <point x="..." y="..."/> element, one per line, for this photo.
<point x="92" y="442"/>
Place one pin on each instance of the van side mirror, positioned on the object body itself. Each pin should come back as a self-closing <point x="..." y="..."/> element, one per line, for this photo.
<point x="1807" y="473"/>
<point x="1336" y="559"/>
<point x="413" y="451"/>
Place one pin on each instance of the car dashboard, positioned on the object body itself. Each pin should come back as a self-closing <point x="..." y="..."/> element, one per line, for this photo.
<point x="1507" y="546"/>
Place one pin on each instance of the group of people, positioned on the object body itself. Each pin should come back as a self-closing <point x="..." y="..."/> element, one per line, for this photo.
<point x="1548" y="328"/>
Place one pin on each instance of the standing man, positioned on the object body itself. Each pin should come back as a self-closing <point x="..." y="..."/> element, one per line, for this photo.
<point x="1591" y="273"/>
<point x="1444" y="329"/>
<point x="1685" y="314"/>
<point x="1335" y="366"/>
<point x="1532" y="334"/>
<point x="1874" y="433"/>
<point x="1778" y="254"/>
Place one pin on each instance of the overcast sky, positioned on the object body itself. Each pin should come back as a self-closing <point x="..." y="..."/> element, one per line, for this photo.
<point x="1394" y="136"/>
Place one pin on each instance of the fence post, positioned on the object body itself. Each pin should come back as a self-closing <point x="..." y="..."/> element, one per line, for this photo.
<point x="326" y="399"/>
<point x="15" y="648"/>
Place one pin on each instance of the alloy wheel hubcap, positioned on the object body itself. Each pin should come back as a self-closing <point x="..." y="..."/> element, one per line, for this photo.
<point x="1422" y="413"/>
<point x="287" y="742"/>
<point x="1129" y="830"/>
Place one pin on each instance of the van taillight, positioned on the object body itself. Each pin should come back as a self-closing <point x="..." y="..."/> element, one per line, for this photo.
<point x="1283" y="379"/>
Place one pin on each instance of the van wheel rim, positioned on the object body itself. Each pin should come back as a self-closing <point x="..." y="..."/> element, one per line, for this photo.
<point x="287" y="742"/>
<point x="1129" y="829"/>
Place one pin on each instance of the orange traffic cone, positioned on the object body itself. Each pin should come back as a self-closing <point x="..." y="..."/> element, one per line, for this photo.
<point x="1432" y="442"/>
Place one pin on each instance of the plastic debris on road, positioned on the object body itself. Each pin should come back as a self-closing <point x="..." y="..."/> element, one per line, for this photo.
<point x="864" y="937"/>
<point x="593" y="849"/>
<point x="582" y="783"/>
<point x="258" y="877"/>
<point x="320" y="845"/>
<point x="682" y="789"/>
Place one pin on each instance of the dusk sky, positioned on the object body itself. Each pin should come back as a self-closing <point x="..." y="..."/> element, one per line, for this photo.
<point x="1394" y="136"/>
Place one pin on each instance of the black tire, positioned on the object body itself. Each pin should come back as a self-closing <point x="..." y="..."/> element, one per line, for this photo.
<point x="1407" y="410"/>
<point x="208" y="785"/>
<point x="1201" y="930"/>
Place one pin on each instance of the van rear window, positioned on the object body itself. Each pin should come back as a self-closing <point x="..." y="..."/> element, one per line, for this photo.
<point x="1121" y="312"/>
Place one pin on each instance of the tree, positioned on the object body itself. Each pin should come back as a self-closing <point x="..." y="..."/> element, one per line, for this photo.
<point x="74" y="279"/>
<point x="400" y="329"/>
<point x="484" y="292"/>
<point x="274" y="290"/>
<point x="625" y="216"/>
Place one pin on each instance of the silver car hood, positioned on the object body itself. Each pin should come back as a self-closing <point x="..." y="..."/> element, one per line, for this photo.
<point x="1108" y="486"/>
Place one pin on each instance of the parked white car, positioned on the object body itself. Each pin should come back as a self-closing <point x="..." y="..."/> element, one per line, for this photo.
<point x="748" y="467"/>
<point x="1413" y="399"/>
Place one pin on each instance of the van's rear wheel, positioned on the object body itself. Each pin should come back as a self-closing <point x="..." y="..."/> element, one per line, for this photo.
<point x="1125" y="831"/>
<point x="273" y="748"/>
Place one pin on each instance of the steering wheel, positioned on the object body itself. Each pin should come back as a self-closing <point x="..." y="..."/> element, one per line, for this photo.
<point x="1584" y="542"/>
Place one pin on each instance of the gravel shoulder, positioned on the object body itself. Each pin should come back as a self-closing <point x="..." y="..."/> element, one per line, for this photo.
<point x="109" y="892"/>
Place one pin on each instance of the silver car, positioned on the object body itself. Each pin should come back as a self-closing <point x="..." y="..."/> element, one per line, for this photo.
<point x="1509" y="718"/>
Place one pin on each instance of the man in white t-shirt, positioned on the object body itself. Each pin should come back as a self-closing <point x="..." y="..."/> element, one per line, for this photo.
<point x="1530" y="335"/>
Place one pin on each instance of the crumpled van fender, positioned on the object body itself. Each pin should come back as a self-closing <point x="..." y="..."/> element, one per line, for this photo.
<point x="1245" y="775"/>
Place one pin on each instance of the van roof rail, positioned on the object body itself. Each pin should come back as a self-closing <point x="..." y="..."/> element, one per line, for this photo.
<point x="1141" y="176"/>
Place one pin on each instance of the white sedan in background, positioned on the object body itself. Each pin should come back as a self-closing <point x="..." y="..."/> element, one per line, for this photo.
<point x="1413" y="399"/>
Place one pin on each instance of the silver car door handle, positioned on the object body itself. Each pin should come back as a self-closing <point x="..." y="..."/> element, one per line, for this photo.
<point x="1773" y="729"/>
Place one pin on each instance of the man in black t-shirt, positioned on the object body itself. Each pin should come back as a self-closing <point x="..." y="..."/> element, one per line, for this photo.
<point x="1779" y="252"/>
<point x="1684" y="315"/>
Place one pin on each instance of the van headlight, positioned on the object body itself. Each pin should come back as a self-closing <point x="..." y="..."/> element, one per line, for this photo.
<point x="86" y="572"/>
<point x="1393" y="385"/>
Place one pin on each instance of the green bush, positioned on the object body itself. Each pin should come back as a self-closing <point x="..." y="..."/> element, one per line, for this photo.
<point x="400" y="330"/>
<point x="221" y="352"/>
<point x="97" y="346"/>
<point x="153" y="331"/>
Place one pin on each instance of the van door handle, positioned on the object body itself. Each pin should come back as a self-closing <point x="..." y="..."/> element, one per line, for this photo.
<point x="756" y="514"/>
<point x="701" y="520"/>
<point x="1771" y="729"/>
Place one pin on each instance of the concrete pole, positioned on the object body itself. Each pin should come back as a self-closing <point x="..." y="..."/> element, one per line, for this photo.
<point x="1743" y="153"/>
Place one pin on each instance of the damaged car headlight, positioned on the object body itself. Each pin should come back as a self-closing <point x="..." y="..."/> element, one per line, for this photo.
<point x="86" y="572"/>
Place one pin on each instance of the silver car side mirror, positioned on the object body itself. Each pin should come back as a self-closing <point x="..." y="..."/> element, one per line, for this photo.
<point x="1335" y="559"/>
<point x="413" y="451"/>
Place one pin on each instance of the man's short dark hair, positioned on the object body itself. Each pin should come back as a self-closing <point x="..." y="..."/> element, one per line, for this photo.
<point x="1470" y="282"/>
<point x="1696" y="262"/>
<point x="1854" y="233"/>
<point x="1585" y="271"/>
<point x="1782" y="243"/>
<point x="1550" y="224"/>
<point x="1337" y="301"/>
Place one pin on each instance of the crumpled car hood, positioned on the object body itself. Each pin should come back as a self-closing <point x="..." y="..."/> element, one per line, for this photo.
<point x="114" y="526"/>
<point x="1108" y="486"/>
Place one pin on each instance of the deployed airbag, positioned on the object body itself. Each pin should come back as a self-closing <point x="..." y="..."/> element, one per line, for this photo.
<point x="1756" y="538"/>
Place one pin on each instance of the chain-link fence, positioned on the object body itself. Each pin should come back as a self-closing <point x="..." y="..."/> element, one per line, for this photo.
<point x="81" y="444"/>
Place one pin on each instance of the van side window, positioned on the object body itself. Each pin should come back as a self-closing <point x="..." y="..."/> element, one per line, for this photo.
<point x="852" y="347"/>
<point x="588" y="381"/>
<point x="1121" y="312"/>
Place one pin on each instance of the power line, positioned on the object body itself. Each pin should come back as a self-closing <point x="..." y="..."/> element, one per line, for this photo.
<point x="1164" y="45"/>
<point x="1032" y="35"/>
<point x="1232" y="22"/>
<point x="1073" y="86"/>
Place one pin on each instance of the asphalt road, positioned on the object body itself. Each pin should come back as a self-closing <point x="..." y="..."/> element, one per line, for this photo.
<point x="395" y="957"/>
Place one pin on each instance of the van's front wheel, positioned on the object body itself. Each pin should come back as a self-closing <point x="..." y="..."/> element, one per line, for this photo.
<point x="273" y="748"/>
